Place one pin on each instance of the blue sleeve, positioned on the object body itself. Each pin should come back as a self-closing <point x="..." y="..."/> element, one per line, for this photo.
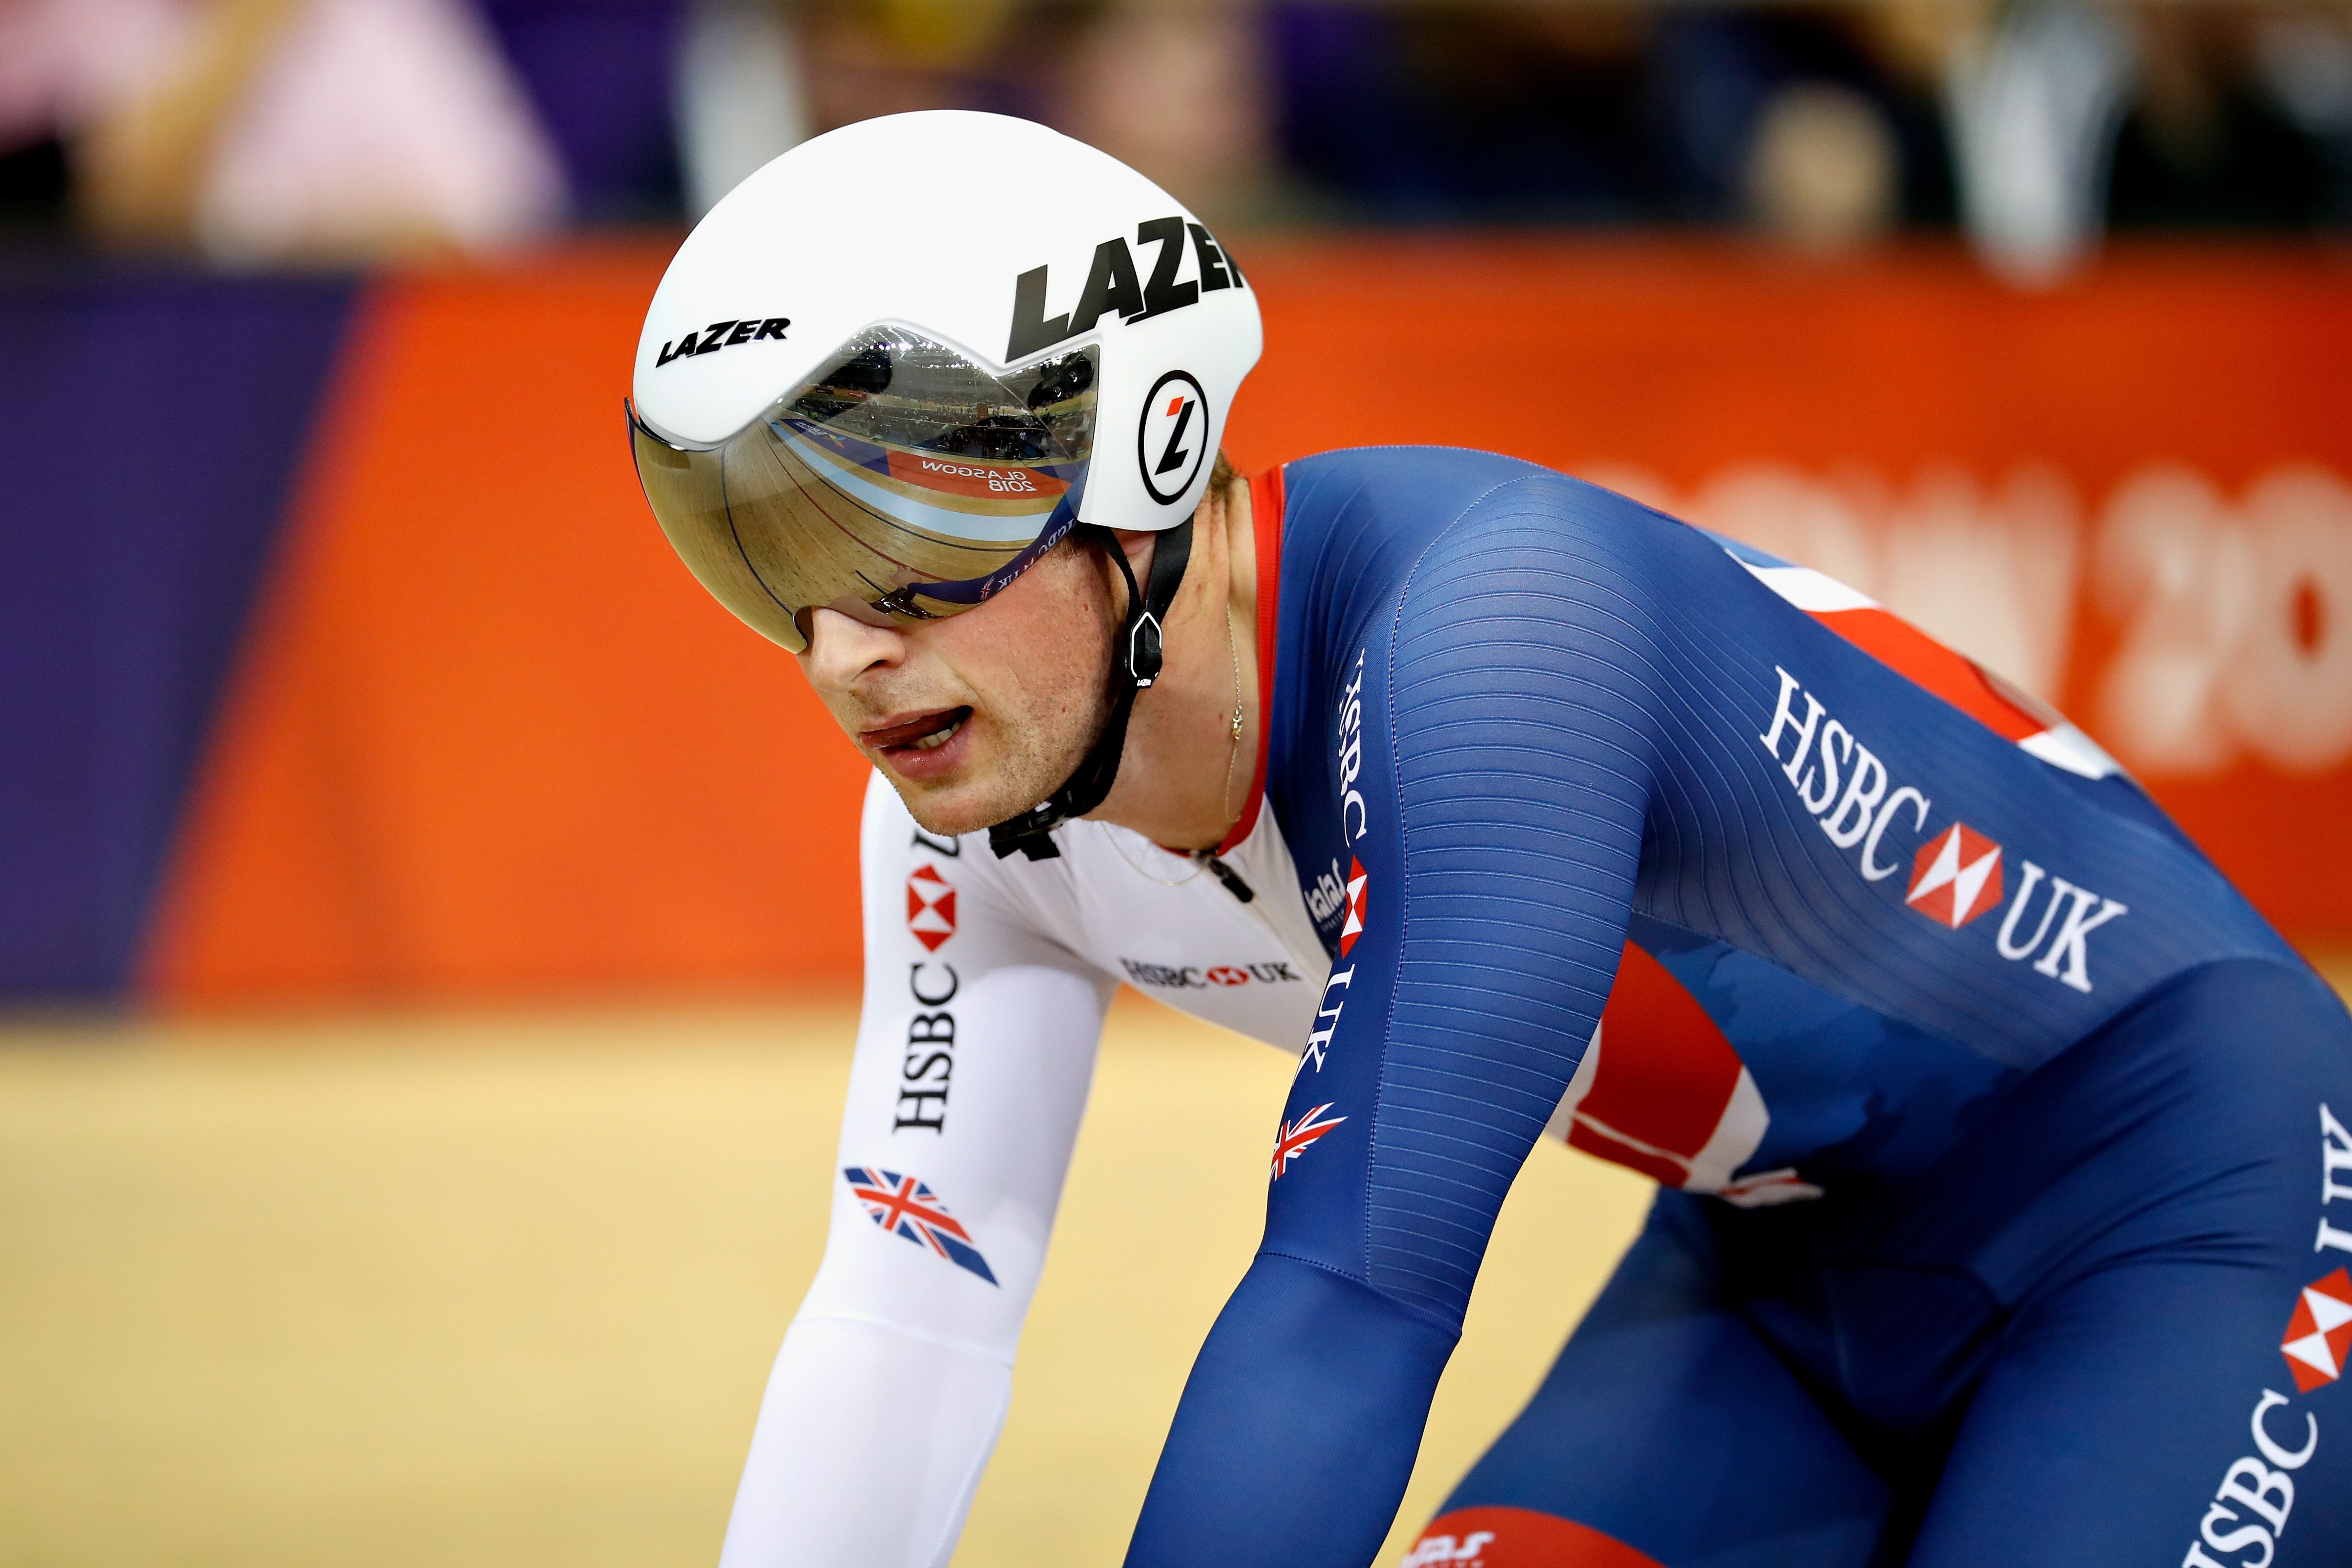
<point x="1487" y="742"/>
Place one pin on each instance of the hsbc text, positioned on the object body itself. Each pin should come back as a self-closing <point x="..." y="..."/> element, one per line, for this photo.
<point x="928" y="1067"/>
<point x="1326" y="1019"/>
<point x="1847" y="790"/>
<point x="1200" y="977"/>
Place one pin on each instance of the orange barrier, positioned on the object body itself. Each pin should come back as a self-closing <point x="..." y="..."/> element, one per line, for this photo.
<point x="489" y="737"/>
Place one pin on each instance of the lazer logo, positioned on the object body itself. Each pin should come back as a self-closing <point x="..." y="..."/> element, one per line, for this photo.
<point x="1173" y="439"/>
<point x="1114" y="285"/>
<point x="725" y="335"/>
<point x="1193" y="977"/>
<point x="1957" y="875"/>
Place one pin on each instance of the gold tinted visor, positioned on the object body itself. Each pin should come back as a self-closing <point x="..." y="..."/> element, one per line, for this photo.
<point x="903" y="481"/>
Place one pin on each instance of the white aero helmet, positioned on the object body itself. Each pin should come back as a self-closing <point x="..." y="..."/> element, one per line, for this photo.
<point x="899" y="363"/>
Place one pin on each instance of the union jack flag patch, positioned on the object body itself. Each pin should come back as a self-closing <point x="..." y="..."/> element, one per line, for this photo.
<point x="904" y="1206"/>
<point x="1291" y="1138"/>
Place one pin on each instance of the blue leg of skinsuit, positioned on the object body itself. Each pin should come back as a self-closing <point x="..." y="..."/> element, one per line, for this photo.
<point x="2050" y="1349"/>
<point x="1668" y="1426"/>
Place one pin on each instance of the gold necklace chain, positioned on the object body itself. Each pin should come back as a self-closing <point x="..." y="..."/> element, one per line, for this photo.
<point x="1234" y="743"/>
<point x="1233" y="756"/>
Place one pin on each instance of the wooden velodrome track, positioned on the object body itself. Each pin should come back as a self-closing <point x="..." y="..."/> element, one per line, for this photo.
<point x="502" y="1289"/>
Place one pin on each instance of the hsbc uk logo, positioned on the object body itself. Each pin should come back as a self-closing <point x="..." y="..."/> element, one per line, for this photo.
<point x="2249" y="1511"/>
<point x="930" y="907"/>
<point x="1355" y="817"/>
<point x="1195" y="977"/>
<point x="1957" y="875"/>
<point x="1353" y="925"/>
<point x="2319" y="1334"/>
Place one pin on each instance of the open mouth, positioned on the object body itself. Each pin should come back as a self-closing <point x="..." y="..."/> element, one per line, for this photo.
<point x="924" y="732"/>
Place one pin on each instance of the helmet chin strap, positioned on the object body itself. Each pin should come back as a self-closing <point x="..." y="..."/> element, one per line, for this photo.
<point x="1031" y="832"/>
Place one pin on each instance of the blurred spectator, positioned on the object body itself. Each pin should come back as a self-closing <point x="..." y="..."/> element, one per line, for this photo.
<point x="262" y="130"/>
<point x="1424" y="112"/>
<point x="1175" y="88"/>
<point x="363" y="128"/>
<point x="1767" y="112"/>
<point x="866" y="58"/>
<point x="1180" y="93"/>
<point x="2034" y="111"/>
<point x="739" y="96"/>
<point x="2304" y="59"/>
<point x="1790" y="116"/>
<point x="64" y="64"/>
<point x="2234" y="120"/>
<point x="275" y="130"/>
<point x="1822" y="171"/>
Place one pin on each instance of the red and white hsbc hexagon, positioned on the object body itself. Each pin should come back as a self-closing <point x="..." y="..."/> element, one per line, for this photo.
<point x="1956" y="876"/>
<point x="931" y="907"/>
<point x="2319" y="1334"/>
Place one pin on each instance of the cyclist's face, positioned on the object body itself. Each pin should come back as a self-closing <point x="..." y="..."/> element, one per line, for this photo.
<point x="976" y="717"/>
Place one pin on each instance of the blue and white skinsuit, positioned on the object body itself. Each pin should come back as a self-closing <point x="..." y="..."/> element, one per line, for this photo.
<point x="2006" y="1178"/>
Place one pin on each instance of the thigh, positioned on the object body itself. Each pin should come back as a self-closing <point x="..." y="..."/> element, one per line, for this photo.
<point x="2177" y="1398"/>
<point x="2149" y="1417"/>
<point x="1666" y="1434"/>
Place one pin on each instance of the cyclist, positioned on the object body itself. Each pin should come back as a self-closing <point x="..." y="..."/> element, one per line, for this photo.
<point x="2006" y="1184"/>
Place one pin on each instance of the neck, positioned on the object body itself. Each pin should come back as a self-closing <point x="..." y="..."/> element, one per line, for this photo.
<point x="1183" y="778"/>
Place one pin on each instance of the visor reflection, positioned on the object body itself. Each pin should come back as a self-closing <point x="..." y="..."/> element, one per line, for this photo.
<point x="903" y="477"/>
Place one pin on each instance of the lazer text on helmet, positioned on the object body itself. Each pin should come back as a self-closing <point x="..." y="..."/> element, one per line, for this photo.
<point x="724" y="334"/>
<point x="1113" y="284"/>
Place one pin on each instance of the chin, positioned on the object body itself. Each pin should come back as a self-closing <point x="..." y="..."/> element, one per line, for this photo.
<point x="947" y="810"/>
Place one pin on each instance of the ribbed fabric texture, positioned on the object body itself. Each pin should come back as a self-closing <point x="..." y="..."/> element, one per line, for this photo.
<point x="1523" y="685"/>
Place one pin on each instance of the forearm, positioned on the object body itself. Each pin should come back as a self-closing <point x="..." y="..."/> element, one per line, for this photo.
<point x="1297" y="1428"/>
<point x="974" y="1051"/>
<point x="871" y="1440"/>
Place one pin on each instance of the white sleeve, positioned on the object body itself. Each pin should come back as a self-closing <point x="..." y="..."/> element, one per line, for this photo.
<point x="974" y="1054"/>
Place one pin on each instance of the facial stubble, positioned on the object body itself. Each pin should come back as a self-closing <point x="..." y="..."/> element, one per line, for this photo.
<point x="1055" y="700"/>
